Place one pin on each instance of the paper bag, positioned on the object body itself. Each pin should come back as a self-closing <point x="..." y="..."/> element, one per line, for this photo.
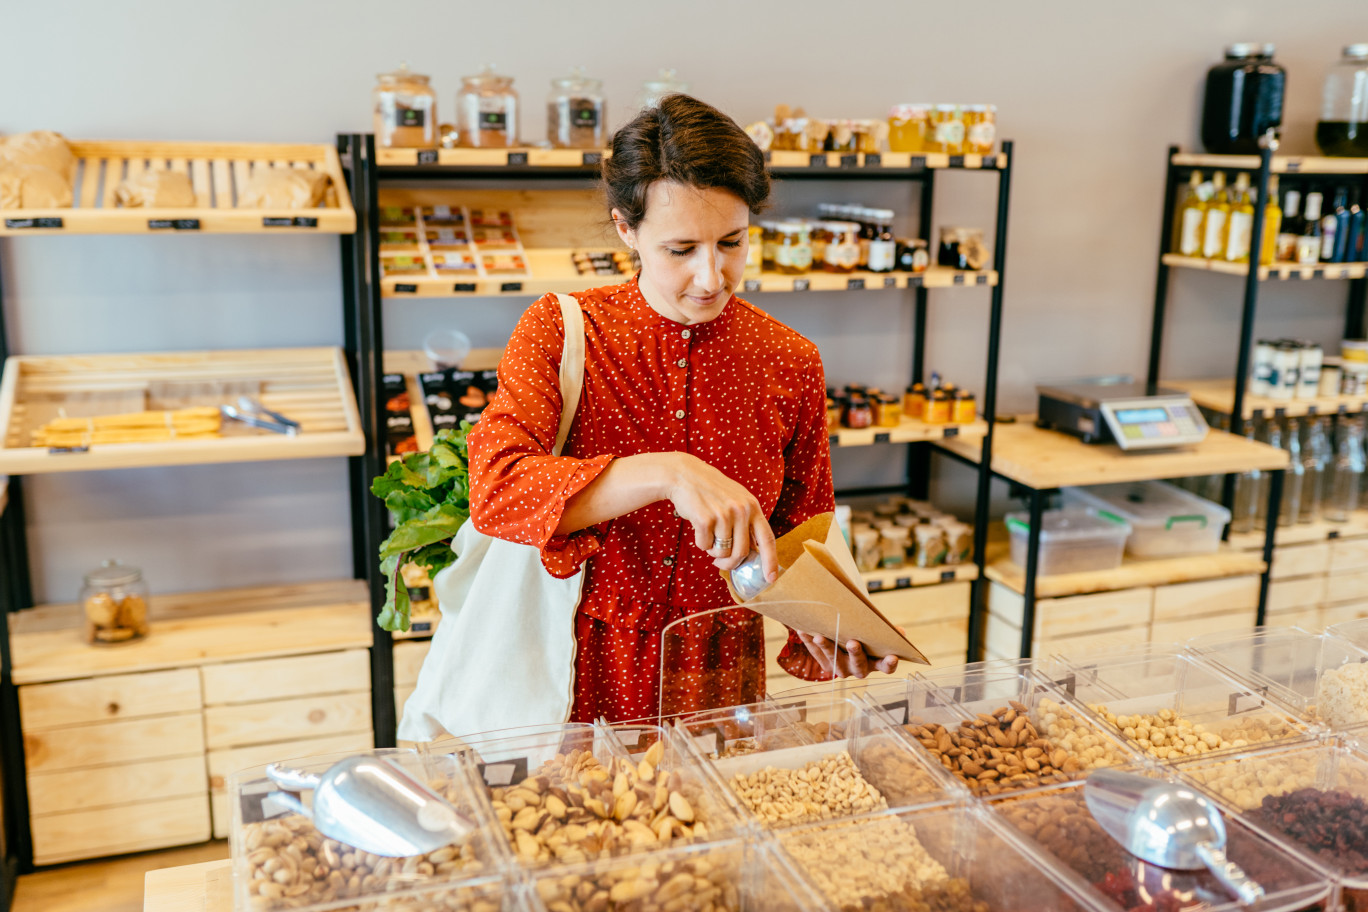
<point x="821" y="582"/>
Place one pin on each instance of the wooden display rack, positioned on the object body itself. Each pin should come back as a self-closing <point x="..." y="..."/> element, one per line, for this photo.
<point x="1219" y="396"/>
<point x="1280" y="164"/>
<point x="1278" y="271"/>
<point x="217" y="172"/>
<point x="309" y="385"/>
<point x="779" y="160"/>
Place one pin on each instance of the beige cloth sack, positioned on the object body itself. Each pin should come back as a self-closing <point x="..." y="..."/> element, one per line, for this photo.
<point x="156" y="189"/>
<point x="283" y="188"/>
<point x="37" y="171"/>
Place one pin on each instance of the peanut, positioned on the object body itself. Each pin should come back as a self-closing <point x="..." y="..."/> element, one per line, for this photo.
<point x="820" y="790"/>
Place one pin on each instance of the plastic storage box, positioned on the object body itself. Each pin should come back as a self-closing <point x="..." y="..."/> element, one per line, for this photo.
<point x="1165" y="521"/>
<point x="1311" y="796"/>
<point x="1171" y="705"/>
<point x="1321" y="678"/>
<point x="1057" y="823"/>
<point x="278" y="855"/>
<point x="942" y="858"/>
<point x="1071" y="541"/>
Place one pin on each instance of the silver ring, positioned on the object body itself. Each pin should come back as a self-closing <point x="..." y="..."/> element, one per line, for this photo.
<point x="722" y="543"/>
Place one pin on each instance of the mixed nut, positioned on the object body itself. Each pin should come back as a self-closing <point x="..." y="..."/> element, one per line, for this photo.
<point x="707" y="882"/>
<point x="819" y="790"/>
<point x="1169" y="736"/>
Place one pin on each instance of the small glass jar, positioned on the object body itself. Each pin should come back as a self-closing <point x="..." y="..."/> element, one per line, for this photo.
<point x="769" y="243"/>
<point x="931" y="545"/>
<point x="115" y="599"/>
<point x="833" y="410"/>
<point x="858" y="413"/>
<point x="912" y="255"/>
<point x="980" y="129"/>
<point x="842" y="252"/>
<point x="1343" y="126"/>
<point x="890" y="411"/>
<point x="666" y="83"/>
<point x="820" y="234"/>
<point x="576" y="112"/>
<point x="893" y="543"/>
<point x="947" y="134"/>
<point x="793" y="253"/>
<point x="755" y="251"/>
<point x="868" y="553"/>
<point x="914" y="401"/>
<point x="938" y="407"/>
<point x="487" y="111"/>
<point x="405" y="110"/>
<point x="883" y="249"/>
<point x="966" y="409"/>
<point x="909" y="127"/>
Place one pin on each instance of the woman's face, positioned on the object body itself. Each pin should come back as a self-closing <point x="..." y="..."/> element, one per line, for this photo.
<point x="692" y="243"/>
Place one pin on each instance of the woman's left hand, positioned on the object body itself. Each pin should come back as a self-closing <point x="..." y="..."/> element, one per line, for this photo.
<point x="850" y="662"/>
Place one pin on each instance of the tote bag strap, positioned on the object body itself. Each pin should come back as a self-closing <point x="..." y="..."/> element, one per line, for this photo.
<point x="571" y="367"/>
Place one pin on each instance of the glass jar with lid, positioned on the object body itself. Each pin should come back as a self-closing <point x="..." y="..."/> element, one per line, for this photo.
<point x="793" y="253"/>
<point x="667" y="82"/>
<point x="114" y="598"/>
<point x="487" y="111"/>
<point x="405" y="110"/>
<point x="1342" y="130"/>
<point x="576" y="112"/>
<point x="980" y="128"/>
<point x="947" y="130"/>
<point x="769" y="243"/>
<point x="909" y="127"/>
<point x="843" y="247"/>
<point x="1243" y="100"/>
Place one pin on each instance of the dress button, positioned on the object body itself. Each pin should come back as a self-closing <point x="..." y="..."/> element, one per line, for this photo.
<point x="679" y="414"/>
<point x="669" y="561"/>
<point x="687" y="333"/>
<point x="683" y="362"/>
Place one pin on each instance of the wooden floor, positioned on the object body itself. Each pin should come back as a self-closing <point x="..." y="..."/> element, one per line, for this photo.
<point x="108" y="885"/>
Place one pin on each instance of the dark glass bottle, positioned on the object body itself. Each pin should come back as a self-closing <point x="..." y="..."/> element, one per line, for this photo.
<point x="1243" y="100"/>
<point x="1341" y="216"/>
<point x="1356" y="244"/>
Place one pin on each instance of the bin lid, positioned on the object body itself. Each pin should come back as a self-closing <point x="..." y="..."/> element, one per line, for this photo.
<point x="1149" y="504"/>
<point x="1070" y="524"/>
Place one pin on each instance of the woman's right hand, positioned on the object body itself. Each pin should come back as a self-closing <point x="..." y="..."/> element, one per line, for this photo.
<point x="719" y="509"/>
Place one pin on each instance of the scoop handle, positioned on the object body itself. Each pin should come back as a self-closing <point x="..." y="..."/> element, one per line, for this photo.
<point x="1231" y="875"/>
<point x="293" y="780"/>
<point x="291" y="801"/>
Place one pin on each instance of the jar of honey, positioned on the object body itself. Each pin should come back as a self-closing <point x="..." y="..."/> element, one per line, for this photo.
<point x="793" y="253"/>
<point x="833" y="414"/>
<point x="938" y="408"/>
<point x="980" y="129"/>
<point x="769" y="243"/>
<point x="947" y="123"/>
<point x="405" y="110"/>
<point x="842" y="252"/>
<point x="820" y="232"/>
<point x="909" y="127"/>
<point x="890" y="411"/>
<point x="914" y="401"/>
<point x="755" y="251"/>
<point x="965" y="410"/>
<point x="487" y="111"/>
<point x="858" y="413"/>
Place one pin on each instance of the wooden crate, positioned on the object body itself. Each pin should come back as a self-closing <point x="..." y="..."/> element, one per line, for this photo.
<point x="267" y="680"/>
<point x="1348" y="554"/>
<point x="108" y="743"/>
<point x="1351" y="586"/>
<point x="135" y="827"/>
<point x="66" y="703"/>
<point x="1295" y="595"/>
<point x="1300" y="560"/>
<point x="1218" y="596"/>
<point x="1182" y="630"/>
<point x="217" y="171"/>
<point x="309" y="385"/>
<point x="1065" y="617"/>
<point x="1345" y="611"/>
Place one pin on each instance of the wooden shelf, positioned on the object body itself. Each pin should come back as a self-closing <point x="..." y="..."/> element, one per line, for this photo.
<point x="203" y="887"/>
<point x="310" y="385"/>
<point x="217" y="172"/>
<point x="582" y="159"/>
<point x="1304" y="533"/>
<point x="198" y="628"/>
<point x="1278" y="271"/>
<point x="1281" y="164"/>
<point x="1044" y="459"/>
<point x="1227" y="561"/>
<point x="912" y="577"/>
<point x="912" y="431"/>
<point x="1219" y="396"/>
<point x="550" y="270"/>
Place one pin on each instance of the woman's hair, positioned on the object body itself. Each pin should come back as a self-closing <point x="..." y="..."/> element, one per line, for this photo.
<point x="686" y="141"/>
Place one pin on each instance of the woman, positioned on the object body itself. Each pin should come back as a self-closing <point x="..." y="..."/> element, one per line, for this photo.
<point x="701" y="432"/>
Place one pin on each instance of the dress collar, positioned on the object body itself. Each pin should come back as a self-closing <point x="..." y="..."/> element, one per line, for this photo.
<point x="629" y="296"/>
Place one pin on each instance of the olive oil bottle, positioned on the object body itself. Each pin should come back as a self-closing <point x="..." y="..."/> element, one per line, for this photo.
<point x="1240" y="221"/>
<point x="1188" y="237"/>
<point x="1273" y="216"/>
<point x="1216" y="219"/>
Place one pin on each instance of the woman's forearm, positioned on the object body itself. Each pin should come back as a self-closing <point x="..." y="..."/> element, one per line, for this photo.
<point x="629" y="483"/>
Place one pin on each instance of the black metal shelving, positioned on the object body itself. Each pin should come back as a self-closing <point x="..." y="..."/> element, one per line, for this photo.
<point x="367" y="173"/>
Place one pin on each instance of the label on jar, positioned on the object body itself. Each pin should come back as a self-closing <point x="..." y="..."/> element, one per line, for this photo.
<point x="920" y="260"/>
<point x="794" y="256"/>
<point x="584" y="113"/>
<point x="881" y="255"/>
<point x="982" y="134"/>
<point x="950" y="132"/>
<point x="844" y="256"/>
<point x="1237" y="241"/>
<point x="493" y="120"/>
<point x="1286" y="247"/>
<point x="1215" y="227"/>
<point x="1190" y="241"/>
<point x="410" y="117"/>
<point x="1308" y="250"/>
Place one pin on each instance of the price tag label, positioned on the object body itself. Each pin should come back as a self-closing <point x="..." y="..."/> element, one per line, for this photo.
<point x="405" y="288"/>
<point x="957" y="161"/>
<point x="427" y="156"/>
<point x="801" y="284"/>
<point x="917" y="161"/>
<point x="890" y="282"/>
<point x="873" y="160"/>
<point x="899" y="711"/>
<point x="511" y="286"/>
<point x="710" y="742"/>
<point x="850" y="161"/>
<point x="952" y="432"/>
<point x="874" y="585"/>
<point x="62" y="451"/>
<point x="305" y="221"/>
<point x="817" y="161"/>
<point x="258" y="805"/>
<point x="883" y="437"/>
<point x="517" y="158"/>
<point x="1069" y="683"/>
<point x="1293" y="166"/>
<point x="916" y="281"/>
<point x="751" y="285"/>
<point x="274" y="221"/>
<point x="798" y="706"/>
<point x="855" y="284"/>
<point x="981" y="279"/>
<point x="636" y="739"/>
<point x="947" y="576"/>
<point x="420" y="627"/>
<point x="504" y="772"/>
<point x="173" y="224"/>
<point x="903" y="582"/>
<point x="959" y="278"/>
<point x="591" y="158"/>
<point x="33" y="223"/>
<point x="463" y="287"/>
<point x="834" y="439"/>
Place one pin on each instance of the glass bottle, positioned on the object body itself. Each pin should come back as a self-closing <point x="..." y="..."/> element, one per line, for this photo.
<point x="1215" y="220"/>
<point x="1247" y="486"/>
<point x="576" y="113"/>
<point x="1273" y="216"/>
<point x="1290" y="229"/>
<point x="1289" y="511"/>
<point x="1188" y="220"/>
<point x="1315" y="458"/>
<point x="1343" y="127"/>
<point x="1240" y="222"/>
<point x="1340" y="214"/>
<point x="405" y="110"/>
<point x="883" y="248"/>
<point x="1243" y="100"/>
<point x="487" y="111"/>
<point x="1354" y="251"/>
<point x="1309" y="244"/>
<point x="666" y="83"/>
<point x="1270" y="434"/>
<point x="1348" y="470"/>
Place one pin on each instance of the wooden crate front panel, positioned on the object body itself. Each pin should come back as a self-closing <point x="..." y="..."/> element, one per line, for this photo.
<point x="1288" y="595"/>
<point x="1076" y="614"/>
<point x="112" y="743"/>
<point x="1179" y="631"/>
<point x="1349" y="611"/>
<point x="106" y="786"/>
<point x="1346" y="587"/>
<point x="923" y="604"/>
<point x="1348" y="554"/>
<point x="1217" y="596"/>
<point x="110" y="697"/>
<point x="408" y="659"/>
<point x="117" y="830"/>
<point x="1300" y="560"/>
<point x="1002" y="640"/>
<point x="268" y="679"/>
<point x="1308" y="619"/>
<point x="287" y="720"/>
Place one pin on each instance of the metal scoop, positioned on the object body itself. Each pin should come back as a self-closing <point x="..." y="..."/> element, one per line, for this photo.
<point x="374" y="805"/>
<point x="1167" y="825"/>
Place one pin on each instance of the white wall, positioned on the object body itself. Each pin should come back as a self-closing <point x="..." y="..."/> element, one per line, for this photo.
<point x="1093" y="93"/>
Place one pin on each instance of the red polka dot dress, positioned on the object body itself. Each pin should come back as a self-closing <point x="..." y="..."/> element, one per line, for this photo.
<point x="743" y="393"/>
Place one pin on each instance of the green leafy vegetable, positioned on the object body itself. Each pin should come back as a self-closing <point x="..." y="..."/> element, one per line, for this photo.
<point x="429" y="495"/>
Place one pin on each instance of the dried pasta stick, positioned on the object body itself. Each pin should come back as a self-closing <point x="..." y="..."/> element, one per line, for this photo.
<point x="136" y="427"/>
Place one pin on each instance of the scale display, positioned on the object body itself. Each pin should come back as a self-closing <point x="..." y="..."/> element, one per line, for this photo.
<point x="1163" y="423"/>
<point x="1126" y="414"/>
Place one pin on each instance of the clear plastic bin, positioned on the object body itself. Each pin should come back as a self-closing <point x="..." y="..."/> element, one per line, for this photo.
<point x="1169" y="704"/>
<point x="281" y="862"/>
<point x="1165" y="521"/>
<point x="579" y="795"/>
<point x="1056" y="822"/>
<point x="944" y="858"/>
<point x="1311" y="796"/>
<point x="734" y="875"/>
<point x="871" y="768"/>
<point x="1071" y="541"/>
<point x="1322" y="679"/>
<point x="961" y="716"/>
<point x="1355" y="632"/>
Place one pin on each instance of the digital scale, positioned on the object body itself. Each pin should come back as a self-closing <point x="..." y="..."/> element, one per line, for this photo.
<point x="1125" y="414"/>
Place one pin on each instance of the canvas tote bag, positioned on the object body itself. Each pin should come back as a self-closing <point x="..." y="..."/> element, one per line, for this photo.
<point x="503" y="655"/>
